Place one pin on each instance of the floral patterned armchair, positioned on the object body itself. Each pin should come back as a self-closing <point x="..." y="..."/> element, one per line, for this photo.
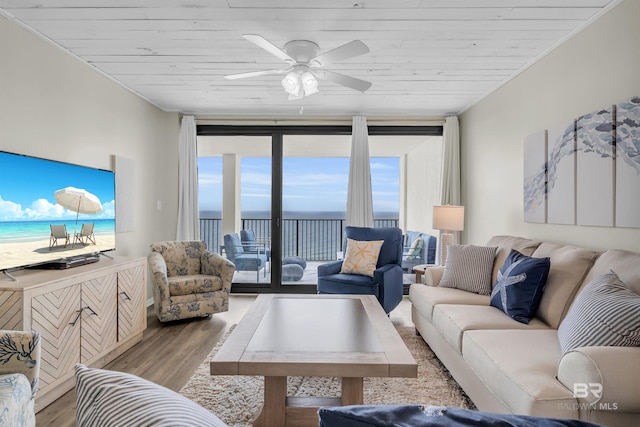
<point x="19" y="376"/>
<point x="188" y="281"/>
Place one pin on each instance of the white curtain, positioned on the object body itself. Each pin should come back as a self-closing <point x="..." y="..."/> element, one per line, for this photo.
<point x="359" y="197"/>
<point x="188" y="217"/>
<point x="451" y="162"/>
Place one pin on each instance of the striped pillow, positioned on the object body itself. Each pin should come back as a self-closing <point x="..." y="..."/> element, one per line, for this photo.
<point x="469" y="268"/>
<point x="605" y="312"/>
<point x="110" y="398"/>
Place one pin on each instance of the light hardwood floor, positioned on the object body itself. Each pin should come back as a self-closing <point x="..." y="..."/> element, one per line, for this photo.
<point x="168" y="354"/>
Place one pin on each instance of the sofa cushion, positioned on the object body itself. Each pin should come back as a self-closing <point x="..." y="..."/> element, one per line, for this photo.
<point x="391" y="250"/>
<point x="569" y="266"/>
<point x="425" y="298"/>
<point x="605" y="312"/>
<point x="518" y="289"/>
<point x="349" y="284"/>
<point x="468" y="267"/>
<point x="110" y="398"/>
<point x="505" y="244"/>
<point x="199" y="283"/>
<point x="361" y="257"/>
<point x="626" y="265"/>
<point x="292" y="272"/>
<point x="295" y="260"/>
<point x="520" y="367"/>
<point x="452" y="321"/>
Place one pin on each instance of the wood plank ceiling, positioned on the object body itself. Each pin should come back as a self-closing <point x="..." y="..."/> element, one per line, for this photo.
<point x="429" y="58"/>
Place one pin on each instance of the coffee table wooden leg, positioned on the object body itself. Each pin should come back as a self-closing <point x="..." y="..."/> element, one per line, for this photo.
<point x="352" y="391"/>
<point x="275" y="397"/>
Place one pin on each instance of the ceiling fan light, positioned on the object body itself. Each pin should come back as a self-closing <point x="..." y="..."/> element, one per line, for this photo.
<point x="291" y="82"/>
<point x="309" y="81"/>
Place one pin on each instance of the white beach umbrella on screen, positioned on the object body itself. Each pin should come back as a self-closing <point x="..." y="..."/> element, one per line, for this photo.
<point x="78" y="201"/>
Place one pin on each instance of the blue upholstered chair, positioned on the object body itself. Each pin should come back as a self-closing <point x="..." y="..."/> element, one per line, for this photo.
<point x="386" y="283"/>
<point x="424" y="253"/>
<point x="251" y="245"/>
<point x="243" y="261"/>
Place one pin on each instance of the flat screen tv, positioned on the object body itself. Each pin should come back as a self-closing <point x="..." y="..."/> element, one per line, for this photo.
<point x="52" y="211"/>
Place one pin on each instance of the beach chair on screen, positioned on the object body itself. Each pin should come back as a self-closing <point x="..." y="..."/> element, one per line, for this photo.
<point x="85" y="235"/>
<point x="58" y="232"/>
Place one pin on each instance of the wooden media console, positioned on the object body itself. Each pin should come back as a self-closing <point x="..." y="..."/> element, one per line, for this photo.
<point x="89" y="314"/>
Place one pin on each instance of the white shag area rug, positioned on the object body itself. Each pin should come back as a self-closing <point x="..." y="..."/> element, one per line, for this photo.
<point x="237" y="400"/>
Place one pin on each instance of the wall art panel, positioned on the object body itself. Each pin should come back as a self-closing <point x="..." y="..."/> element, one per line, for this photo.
<point x="628" y="163"/>
<point x="561" y="166"/>
<point x="595" y="168"/>
<point x="535" y="171"/>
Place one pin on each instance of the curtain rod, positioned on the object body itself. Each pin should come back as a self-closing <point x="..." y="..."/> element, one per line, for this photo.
<point x="371" y="121"/>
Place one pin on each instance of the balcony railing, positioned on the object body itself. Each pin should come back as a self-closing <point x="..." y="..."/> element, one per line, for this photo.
<point x="311" y="239"/>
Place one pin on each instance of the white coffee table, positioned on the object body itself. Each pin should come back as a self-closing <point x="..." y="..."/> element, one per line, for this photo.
<point x="345" y="336"/>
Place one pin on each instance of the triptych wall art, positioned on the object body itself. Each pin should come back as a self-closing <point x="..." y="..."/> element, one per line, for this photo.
<point x="587" y="171"/>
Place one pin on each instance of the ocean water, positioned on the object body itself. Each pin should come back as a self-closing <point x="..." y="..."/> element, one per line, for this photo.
<point x="297" y="215"/>
<point x="29" y="231"/>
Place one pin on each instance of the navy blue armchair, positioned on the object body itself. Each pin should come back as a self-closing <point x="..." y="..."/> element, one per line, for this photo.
<point x="386" y="283"/>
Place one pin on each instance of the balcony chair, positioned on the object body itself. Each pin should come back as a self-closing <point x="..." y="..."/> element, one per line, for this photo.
<point x="58" y="232"/>
<point x="386" y="281"/>
<point x="188" y="280"/>
<point x="419" y="248"/>
<point x="234" y="249"/>
<point x="252" y="245"/>
<point x="85" y="235"/>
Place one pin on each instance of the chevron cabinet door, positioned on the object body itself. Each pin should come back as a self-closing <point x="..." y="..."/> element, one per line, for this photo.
<point x="55" y="315"/>
<point x="89" y="314"/>
<point x="11" y="303"/>
<point x="132" y="313"/>
<point x="99" y="317"/>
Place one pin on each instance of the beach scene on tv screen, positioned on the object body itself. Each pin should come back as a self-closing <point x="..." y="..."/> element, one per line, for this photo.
<point x="51" y="210"/>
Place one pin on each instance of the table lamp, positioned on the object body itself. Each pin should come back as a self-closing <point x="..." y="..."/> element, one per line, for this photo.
<point x="447" y="218"/>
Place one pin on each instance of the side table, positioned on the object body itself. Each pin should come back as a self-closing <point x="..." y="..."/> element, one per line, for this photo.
<point x="419" y="270"/>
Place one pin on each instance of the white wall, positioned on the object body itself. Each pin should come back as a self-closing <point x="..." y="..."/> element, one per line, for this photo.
<point x="54" y="106"/>
<point x="598" y="67"/>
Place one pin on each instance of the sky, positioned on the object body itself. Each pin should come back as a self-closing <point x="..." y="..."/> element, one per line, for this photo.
<point x="27" y="185"/>
<point x="309" y="184"/>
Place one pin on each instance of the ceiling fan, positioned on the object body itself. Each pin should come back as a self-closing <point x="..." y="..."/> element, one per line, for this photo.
<point x="304" y="65"/>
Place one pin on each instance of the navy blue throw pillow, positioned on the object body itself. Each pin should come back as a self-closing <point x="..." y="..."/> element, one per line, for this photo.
<point x="519" y="286"/>
<point x="431" y="416"/>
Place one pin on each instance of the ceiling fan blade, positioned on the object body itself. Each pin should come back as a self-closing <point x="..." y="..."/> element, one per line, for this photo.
<point x="346" y="51"/>
<point x="253" y="74"/>
<point x="341" y="79"/>
<point x="269" y="47"/>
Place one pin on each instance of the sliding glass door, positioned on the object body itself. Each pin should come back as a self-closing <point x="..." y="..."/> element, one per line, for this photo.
<point x="286" y="187"/>
<point x="315" y="174"/>
<point x="234" y="174"/>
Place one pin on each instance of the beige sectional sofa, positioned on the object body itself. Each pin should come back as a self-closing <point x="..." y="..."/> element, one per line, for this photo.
<point x="510" y="367"/>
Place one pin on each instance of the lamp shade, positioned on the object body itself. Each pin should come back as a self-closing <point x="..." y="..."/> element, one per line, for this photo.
<point x="448" y="218"/>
